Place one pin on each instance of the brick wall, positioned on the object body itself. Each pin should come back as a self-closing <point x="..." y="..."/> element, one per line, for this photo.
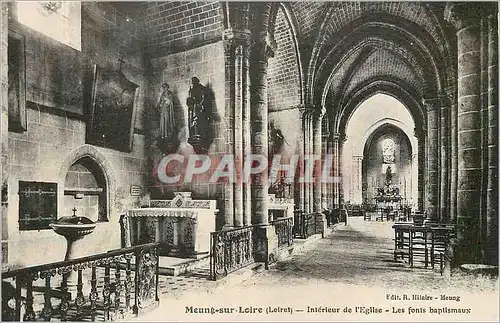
<point x="384" y="63"/>
<point x="176" y="26"/>
<point x="56" y="131"/>
<point x="346" y="12"/>
<point x="206" y="63"/>
<point x="283" y="72"/>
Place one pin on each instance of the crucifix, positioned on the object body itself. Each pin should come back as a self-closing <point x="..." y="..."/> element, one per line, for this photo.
<point x="74" y="211"/>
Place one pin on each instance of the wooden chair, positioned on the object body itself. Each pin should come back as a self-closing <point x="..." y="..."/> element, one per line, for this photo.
<point x="439" y="241"/>
<point x="401" y="241"/>
<point x="418" y="245"/>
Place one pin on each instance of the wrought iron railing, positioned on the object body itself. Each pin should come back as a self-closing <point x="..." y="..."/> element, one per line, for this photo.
<point x="307" y="224"/>
<point x="58" y="291"/>
<point x="284" y="231"/>
<point x="231" y="250"/>
<point x="299" y="224"/>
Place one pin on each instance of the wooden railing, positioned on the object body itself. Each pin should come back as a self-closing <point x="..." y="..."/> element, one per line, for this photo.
<point x="231" y="250"/>
<point x="284" y="231"/>
<point x="58" y="291"/>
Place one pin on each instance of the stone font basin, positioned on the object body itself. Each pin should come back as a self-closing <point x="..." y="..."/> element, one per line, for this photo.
<point x="73" y="227"/>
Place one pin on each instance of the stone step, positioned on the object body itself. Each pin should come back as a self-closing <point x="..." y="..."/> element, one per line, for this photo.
<point x="173" y="266"/>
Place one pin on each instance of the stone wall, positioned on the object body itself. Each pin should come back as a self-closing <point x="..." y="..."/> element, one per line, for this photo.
<point x="206" y="63"/>
<point x="56" y="129"/>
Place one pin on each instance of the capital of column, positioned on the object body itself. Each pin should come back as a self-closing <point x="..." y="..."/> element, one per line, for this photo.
<point x="306" y="110"/>
<point x="430" y="103"/>
<point x="463" y="14"/>
<point x="266" y="45"/>
<point x="451" y="93"/>
<point x="446" y="98"/>
<point x="237" y="36"/>
<point x="318" y="114"/>
<point x="338" y="137"/>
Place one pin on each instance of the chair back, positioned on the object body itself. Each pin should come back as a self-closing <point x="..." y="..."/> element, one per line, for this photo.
<point x="418" y="218"/>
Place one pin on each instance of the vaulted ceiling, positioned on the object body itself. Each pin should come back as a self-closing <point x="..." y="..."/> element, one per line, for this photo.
<point x="343" y="47"/>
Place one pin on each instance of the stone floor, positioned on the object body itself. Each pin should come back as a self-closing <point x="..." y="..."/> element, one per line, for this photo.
<point x="352" y="268"/>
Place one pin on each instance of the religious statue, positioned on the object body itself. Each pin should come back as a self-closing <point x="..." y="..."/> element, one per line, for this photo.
<point x="276" y="139"/>
<point x="196" y="108"/>
<point x="166" y="110"/>
<point x="388" y="176"/>
<point x="198" y="104"/>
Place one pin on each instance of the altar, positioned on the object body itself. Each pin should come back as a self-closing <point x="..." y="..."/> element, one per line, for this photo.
<point x="181" y="225"/>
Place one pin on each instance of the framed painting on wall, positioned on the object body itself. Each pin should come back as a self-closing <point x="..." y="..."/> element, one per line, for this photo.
<point x="17" y="83"/>
<point x="111" y="115"/>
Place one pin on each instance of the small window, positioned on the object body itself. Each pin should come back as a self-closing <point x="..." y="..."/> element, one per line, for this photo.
<point x="37" y="205"/>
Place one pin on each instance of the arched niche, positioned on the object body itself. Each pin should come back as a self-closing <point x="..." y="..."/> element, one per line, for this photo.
<point x="403" y="164"/>
<point x="85" y="190"/>
<point x="86" y="176"/>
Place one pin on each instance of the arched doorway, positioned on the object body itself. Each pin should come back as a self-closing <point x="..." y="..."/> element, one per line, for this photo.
<point x="379" y="117"/>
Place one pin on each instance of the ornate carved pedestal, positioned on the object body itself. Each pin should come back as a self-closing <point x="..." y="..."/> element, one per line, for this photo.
<point x="182" y="225"/>
<point x="284" y="205"/>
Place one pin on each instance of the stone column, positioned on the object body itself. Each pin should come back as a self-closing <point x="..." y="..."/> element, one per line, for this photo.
<point x="444" y="168"/>
<point x="357" y="179"/>
<point x="4" y="124"/>
<point x="247" y="138"/>
<point x="326" y="153"/>
<point x="237" y="44"/>
<point x="492" y="193"/>
<point x="238" y="132"/>
<point x="310" y="145"/>
<point x="302" y="188"/>
<point x="453" y="153"/>
<point x="317" y="118"/>
<point x="342" y="140"/>
<point x="330" y="186"/>
<point x="261" y="51"/>
<point x="464" y="17"/>
<point x="306" y="118"/>
<point x="420" y="134"/>
<point x="229" y="69"/>
<point x="414" y="178"/>
<point x="336" y="191"/>
<point x="309" y="151"/>
<point x="432" y="182"/>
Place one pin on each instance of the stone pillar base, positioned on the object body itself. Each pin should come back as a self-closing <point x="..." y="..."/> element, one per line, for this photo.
<point x="265" y="244"/>
<point x="324" y="224"/>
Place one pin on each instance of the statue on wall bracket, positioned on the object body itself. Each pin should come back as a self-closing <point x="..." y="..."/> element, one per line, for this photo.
<point x="167" y="140"/>
<point x="199" y="121"/>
